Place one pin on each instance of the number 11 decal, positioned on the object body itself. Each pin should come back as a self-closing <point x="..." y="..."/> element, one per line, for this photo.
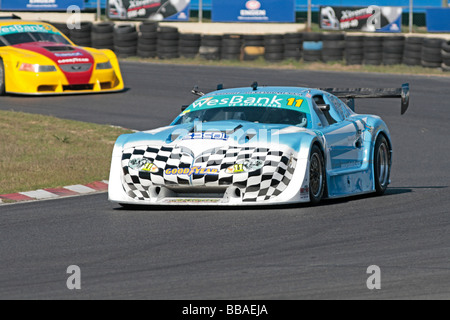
<point x="297" y="102"/>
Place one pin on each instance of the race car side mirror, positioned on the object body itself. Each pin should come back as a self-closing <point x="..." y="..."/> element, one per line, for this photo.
<point x="184" y="107"/>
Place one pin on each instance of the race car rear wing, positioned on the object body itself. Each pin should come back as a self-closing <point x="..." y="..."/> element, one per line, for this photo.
<point x="351" y="94"/>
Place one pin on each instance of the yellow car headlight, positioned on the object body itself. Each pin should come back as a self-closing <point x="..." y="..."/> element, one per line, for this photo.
<point x="104" y="65"/>
<point x="36" y="68"/>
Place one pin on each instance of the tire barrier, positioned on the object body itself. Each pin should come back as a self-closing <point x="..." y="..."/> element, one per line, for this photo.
<point x="151" y="41"/>
<point x="293" y="46"/>
<point x="312" y="47"/>
<point x="445" y="55"/>
<point x="189" y="45"/>
<point x="168" y="43"/>
<point x="333" y="47"/>
<point x="354" y="50"/>
<point x="373" y="51"/>
<point x="274" y="47"/>
<point x="253" y="47"/>
<point x="231" y="47"/>
<point x="211" y="47"/>
<point x="412" y="55"/>
<point x="82" y="36"/>
<point x="147" y="40"/>
<point x="102" y="36"/>
<point x="393" y="47"/>
<point x="432" y="53"/>
<point x="125" y="40"/>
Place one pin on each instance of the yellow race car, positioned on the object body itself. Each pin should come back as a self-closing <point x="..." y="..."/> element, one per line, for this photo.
<point x="37" y="59"/>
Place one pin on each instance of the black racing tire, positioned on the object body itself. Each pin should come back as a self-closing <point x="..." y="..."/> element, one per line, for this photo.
<point x="373" y="62"/>
<point x="428" y="64"/>
<point x="194" y="37"/>
<point x="273" y="42"/>
<point x="188" y="50"/>
<point x="381" y="164"/>
<point x="125" y="50"/>
<point x="146" y="48"/>
<point x="414" y="40"/>
<point x="103" y="42"/>
<point x="446" y="46"/>
<point x="146" y="54"/>
<point x="126" y="36"/>
<point x="148" y="26"/>
<point x="338" y="44"/>
<point x="168" y="36"/>
<point x="164" y="50"/>
<point x="147" y="41"/>
<point x="274" y="49"/>
<point x="168" y="43"/>
<point x="231" y="50"/>
<point x="274" y="56"/>
<point x="317" y="175"/>
<point x="101" y="36"/>
<point x="103" y="27"/>
<point x="444" y="67"/>
<point x="433" y="42"/>
<point x="412" y="61"/>
<point x="2" y="77"/>
<point x="231" y="56"/>
<point x="148" y="35"/>
<point x="125" y="28"/>
<point x="312" y="36"/>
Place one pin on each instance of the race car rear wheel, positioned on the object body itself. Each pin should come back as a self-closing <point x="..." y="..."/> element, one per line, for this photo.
<point x="2" y="77"/>
<point x="382" y="164"/>
<point x="316" y="175"/>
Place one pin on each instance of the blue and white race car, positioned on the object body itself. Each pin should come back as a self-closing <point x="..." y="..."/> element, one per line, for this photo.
<point x="258" y="146"/>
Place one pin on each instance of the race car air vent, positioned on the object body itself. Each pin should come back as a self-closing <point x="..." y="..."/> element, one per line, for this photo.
<point x="79" y="67"/>
<point x="59" y="49"/>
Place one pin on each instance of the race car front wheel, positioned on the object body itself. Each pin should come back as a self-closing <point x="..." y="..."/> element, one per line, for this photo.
<point x="316" y="175"/>
<point x="2" y="77"/>
<point x="382" y="164"/>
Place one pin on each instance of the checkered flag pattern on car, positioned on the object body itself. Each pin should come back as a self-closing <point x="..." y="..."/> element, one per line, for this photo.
<point x="259" y="185"/>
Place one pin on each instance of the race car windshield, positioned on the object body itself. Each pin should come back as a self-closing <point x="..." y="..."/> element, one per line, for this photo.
<point x="27" y="37"/>
<point x="264" y="115"/>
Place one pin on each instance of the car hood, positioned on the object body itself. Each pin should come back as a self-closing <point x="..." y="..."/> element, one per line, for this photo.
<point x="201" y="136"/>
<point x="76" y="63"/>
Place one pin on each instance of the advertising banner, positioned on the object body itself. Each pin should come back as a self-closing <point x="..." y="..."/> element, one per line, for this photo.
<point x="370" y="19"/>
<point x="157" y="10"/>
<point x="438" y="20"/>
<point x="253" y="11"/>
<point x="39" y="5"/>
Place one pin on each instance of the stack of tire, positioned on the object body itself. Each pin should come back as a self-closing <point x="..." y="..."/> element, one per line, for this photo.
<point x="189" y="45"/>
<point x="333" y="47"/>
<point x="412" y="56"/>
<point x="393" y="47"/>
<point x="354" y="50"/>
<point x="102" y="36"/>
<point x="253" y="47"/>
<point x="293" y="46"/>
<point x="231" y="46"/>
<point x="62" y="27"/>
<point x="168" y="43"/>
<point x="125" y="40"/>
<point x="312" y="47"/>
<point x="147" y="41"/>
<point x="432" y="53"/>
<point x="373" y="50"/>
<point x="274" y="47"/>
<point x="211" y="47"/>
<point x="82" y="36"/>
<point x="446" y="55"/>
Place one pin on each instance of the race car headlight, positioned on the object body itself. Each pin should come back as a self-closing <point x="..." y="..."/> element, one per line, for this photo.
<point x="104" y="66"/>
<point x="36" y="68"/>
<point x="245" y="166"/>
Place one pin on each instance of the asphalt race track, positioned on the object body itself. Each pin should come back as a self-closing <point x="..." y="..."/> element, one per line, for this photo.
<point x="258" y="253"/>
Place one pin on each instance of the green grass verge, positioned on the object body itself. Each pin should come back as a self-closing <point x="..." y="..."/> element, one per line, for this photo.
<point x="45" y="152"/>
<point x="299" y="65"/>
